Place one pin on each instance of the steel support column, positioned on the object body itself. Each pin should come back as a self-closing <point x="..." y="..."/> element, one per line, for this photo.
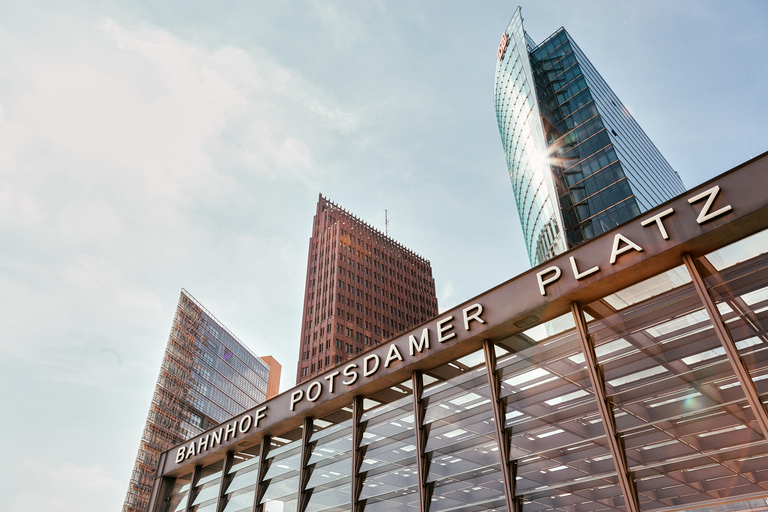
<point x="193" y="490"/>
<point x="615" y="444"/>
<point x="422" y="461"/>
<point x="226" y="479"/>
<point x="261" y="488"/>
<point x="508" y="469"/>
<point x="304" y="470"/>
<point x="160" y="493"/>
<point x="739" y="368"/>
<point x="357" y="453"/>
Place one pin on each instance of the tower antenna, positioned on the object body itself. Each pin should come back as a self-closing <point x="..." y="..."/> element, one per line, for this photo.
<point x="386" y="223"/>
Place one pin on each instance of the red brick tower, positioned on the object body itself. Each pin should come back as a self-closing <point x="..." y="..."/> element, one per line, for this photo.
<point x="362" y="287"/>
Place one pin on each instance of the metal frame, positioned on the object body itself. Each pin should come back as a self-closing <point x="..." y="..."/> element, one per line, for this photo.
<point x="304" y="469"/>
<point x="261" y="488"/>
<point x="741" y="371"/>
<point x="357" y="453"/>
<point x="193" y="490"/>
<point x="508" y="469"/>
<point x="161" y="491"/>
<point x="422" y="459"/>
<point x="160" y="486"/>
<point x="226" y="479"/>
<point x="644" y="343"/>
<point x="615" y="444"/>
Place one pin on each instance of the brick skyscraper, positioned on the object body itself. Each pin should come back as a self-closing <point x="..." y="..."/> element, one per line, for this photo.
<point x="362" y="287"/>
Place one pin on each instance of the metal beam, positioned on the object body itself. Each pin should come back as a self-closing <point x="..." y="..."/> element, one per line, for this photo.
<point x="357" y="453"/>
<point x="616" y="446"/>
<point x="650" y="347"/>
<point x="193" y="490"/>
<point x="739" y="368"/>
<point x="304" y="470"/>
<point x="422" y="463"/>
<point x="160" y="492"/>
<point x="261" y="487"/>
<point x="226" y="479"/>
<point x="510" y="491"/>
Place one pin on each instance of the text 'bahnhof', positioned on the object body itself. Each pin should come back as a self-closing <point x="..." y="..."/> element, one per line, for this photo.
<point x="628" y="374"/>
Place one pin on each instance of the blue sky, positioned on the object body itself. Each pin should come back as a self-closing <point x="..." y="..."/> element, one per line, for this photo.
<point x="150" y="146"/>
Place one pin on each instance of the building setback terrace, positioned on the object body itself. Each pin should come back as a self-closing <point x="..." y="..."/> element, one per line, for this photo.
<point x="627" y="374"/>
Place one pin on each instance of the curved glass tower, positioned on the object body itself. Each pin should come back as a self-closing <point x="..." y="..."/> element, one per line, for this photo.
<point x="579" y="163"/>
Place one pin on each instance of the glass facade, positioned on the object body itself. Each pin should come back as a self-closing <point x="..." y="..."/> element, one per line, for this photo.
<point x="525" y="147"/>
<point x="579" y="162"/>
<point x="207" y="376"/>
<point x="464" y="471"/>
<point x="687" y="436"/>
<point x="643" y="390"/>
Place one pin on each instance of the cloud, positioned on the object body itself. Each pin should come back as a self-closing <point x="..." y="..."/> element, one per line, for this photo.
<point x="68" y="488"/>
<point x="122" y="147"/>
<point x="134" y="161"/>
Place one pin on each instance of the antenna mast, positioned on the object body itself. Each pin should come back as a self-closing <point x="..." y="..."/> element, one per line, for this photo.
<point x="386" y="223"/>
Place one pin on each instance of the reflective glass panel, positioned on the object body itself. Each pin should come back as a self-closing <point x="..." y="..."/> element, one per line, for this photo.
<point x="461" y="438"/>
<point x="556" y="434"/>
<point x="330" y="462"/>
<point x="240" y="493"/>
<point x="177" y="497"/>
<point x="737" y="277"/>
<point x="282" y="477"/>
<point x="680" y="413"/>
<point x="388" y="472"/>
<point x="208" y="485"/>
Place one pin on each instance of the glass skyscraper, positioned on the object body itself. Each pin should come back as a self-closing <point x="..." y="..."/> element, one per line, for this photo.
<point x="207" y="376"/>
<point x="578" y="161"/>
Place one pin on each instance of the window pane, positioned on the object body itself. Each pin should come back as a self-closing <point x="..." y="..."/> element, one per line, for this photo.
<point x="683" y="419"/>
<point x="242" y="479"/>
<point x="389" y="471"/>
<point x="282" y="478"/>
<point x="556" y="434"/>
<point x="177" y="498"/>
<point x="330" y="462"/>
<point x="461" y="437"/>
<point x="208" y="486"/>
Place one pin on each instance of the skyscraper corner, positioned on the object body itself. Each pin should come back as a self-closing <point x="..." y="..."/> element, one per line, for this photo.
<point x="578" y="161"/>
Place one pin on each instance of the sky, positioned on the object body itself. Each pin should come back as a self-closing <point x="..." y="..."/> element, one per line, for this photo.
<point x="150" y="146"/>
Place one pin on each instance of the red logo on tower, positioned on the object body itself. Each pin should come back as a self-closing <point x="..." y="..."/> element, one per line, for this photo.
<point x="502" y="46"/>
